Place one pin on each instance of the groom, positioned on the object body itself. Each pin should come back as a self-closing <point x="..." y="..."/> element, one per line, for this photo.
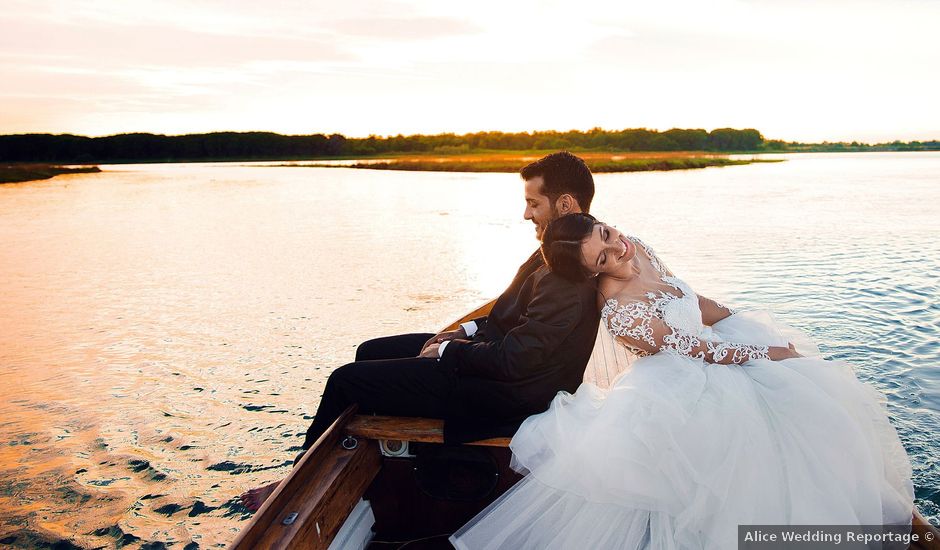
<point x="486" y="377"/>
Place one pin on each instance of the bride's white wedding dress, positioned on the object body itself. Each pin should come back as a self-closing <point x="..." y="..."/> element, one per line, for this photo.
<point x="679" y="451"/>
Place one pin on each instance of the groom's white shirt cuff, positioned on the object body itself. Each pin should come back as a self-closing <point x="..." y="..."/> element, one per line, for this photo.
<point x="440" y="349"/>
<point x="470" y="327"/>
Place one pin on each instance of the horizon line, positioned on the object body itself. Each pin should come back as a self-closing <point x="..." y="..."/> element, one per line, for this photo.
<point x="390" y="136"/>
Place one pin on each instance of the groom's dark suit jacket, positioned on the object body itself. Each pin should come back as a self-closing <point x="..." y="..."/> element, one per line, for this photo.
<point x="536" y="341"/>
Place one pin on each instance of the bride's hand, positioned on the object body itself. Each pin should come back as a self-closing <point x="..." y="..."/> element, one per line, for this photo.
<point x="779" y="353"/>
<point x="793" y="352"/>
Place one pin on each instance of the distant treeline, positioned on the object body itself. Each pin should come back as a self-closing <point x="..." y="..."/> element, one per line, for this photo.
<point x="68" y="148"/>
<point x="828" y="146"/>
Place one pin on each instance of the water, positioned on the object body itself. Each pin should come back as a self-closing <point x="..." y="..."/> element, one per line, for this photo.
<point x="166" y="330"/>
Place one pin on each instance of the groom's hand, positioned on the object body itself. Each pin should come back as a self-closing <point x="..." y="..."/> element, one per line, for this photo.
<point x="431" y="351"/>
<point x="443" y="337"/>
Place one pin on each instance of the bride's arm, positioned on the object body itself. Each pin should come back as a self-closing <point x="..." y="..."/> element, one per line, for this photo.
<point x="712" y="311"/>
<point x="636" y="327"/>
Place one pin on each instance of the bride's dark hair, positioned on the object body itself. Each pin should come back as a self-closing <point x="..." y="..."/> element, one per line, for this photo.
<point x="561" y="245"/>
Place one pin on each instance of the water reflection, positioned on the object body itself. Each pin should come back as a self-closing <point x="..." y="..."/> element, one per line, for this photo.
<point x="166" y="330"/>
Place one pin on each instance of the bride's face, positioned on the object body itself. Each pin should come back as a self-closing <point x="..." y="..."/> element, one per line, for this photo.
<point x="606" y="250"/>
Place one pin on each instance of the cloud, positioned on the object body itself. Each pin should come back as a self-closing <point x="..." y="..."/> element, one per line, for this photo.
<point x="404" y="28"/>
<point x="109" y="46"/>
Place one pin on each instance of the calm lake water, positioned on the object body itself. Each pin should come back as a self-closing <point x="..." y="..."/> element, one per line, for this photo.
<point x="166" y="330"/>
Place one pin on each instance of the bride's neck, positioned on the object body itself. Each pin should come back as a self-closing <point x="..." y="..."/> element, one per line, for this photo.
<point x="628" y="271"/>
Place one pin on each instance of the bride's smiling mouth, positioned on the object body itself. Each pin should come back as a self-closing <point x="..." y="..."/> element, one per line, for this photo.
<point x="626" y="248"/>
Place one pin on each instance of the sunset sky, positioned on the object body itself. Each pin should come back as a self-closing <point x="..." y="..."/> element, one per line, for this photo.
<point x="806" y="70"/>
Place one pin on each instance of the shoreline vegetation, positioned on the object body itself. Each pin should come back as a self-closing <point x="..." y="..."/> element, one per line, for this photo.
<point x="19" y="173"/>
<point x="25" y="157"/>
<point x="267" y="146"/>
<point x="511" y="162"/>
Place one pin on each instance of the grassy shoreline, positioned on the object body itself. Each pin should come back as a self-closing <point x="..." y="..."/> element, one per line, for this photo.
<point x="19" y="173"/>
<point x="477" y="161"/>
<point x="511" y="162"/>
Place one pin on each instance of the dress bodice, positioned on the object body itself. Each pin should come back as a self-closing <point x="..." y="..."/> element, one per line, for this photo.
<point x="676" y="308"/>
<point x="669" y="320"/>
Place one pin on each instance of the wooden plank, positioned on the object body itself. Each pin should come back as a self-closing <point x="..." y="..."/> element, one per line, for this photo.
<point x="401" y="428"/>
<point x="478" y="312"/>
<point x="322" y="489"/>
<point x="328" y="502"/>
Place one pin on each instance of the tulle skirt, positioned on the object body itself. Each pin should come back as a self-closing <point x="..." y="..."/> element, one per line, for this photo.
<point x="677" y="453"/>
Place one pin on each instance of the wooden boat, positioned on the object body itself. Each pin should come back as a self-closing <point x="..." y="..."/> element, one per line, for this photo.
<point x="379" y="482"/>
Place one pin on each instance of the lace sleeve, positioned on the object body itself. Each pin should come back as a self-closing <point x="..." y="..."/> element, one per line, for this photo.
<point x="638" y="328"/>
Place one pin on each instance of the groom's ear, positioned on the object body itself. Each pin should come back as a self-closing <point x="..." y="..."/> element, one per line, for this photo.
<point x="566" y="204"/>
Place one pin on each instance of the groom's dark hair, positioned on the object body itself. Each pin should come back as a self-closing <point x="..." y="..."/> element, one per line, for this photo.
<point x="563" y="173"/>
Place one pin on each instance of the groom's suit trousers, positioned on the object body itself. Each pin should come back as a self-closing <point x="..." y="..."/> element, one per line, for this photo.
<point x="386" y="378"/>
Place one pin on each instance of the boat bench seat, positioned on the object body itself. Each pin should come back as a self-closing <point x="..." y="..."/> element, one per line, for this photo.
<point x="402" y="428"/>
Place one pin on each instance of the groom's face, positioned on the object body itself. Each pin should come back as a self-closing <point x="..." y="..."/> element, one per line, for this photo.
<point x="538" y="207"/>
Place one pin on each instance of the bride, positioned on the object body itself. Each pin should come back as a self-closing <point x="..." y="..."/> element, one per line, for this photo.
<point x="722" y="419"/>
